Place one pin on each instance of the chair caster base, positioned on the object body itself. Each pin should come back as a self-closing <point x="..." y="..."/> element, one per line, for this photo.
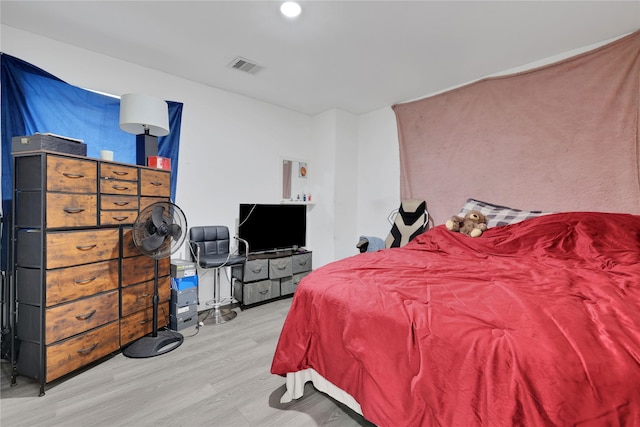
<point x="217" y="316"/>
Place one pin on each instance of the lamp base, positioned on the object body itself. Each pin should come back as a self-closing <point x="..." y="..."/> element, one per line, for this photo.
<point x="146" y="145"/>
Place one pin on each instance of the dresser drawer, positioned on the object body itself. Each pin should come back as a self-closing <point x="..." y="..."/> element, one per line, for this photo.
<point x="67" y="248"/>
<point x="71" y="210"/>
<point x="69" y="319"/>
<point x="301" y="263"/>
<point x="76" y="352"/>
<point x="116" y="171"/>
<point x="114" y="186"/>
<point x="68" y="284"/>
<point x="140" y="323"/>
<point x="71" y="175"/>
<point x="138" y="297"/>
<point x="118" y="217"/>
<point x="148" y="201"/>
<point x="155" y="183"/>
<point x="118" y="203"/>
<point x="60" y="210"/>
<point x="280" y="267"/>
<point x="140" y="269"/>
<point x="129" y="248"/>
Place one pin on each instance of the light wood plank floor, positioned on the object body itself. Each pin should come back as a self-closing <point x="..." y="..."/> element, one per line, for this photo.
<point x="217" y="377"/>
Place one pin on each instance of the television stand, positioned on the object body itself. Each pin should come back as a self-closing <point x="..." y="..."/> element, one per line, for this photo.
<point x="271" y="254"/>
<point x="270" y="276"/>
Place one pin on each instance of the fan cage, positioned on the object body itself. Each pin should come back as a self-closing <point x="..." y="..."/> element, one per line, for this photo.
<point x="144" y="228"/>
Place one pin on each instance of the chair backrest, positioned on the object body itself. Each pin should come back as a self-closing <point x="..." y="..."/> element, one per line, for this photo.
<point x="213" y="240"/>
<point x="411" y="220"/>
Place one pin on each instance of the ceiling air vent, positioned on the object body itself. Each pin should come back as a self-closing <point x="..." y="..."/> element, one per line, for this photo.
<point x="245" y="65"/>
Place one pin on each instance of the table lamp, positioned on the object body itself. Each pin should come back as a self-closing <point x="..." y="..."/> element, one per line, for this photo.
<point x="148" y="118"/>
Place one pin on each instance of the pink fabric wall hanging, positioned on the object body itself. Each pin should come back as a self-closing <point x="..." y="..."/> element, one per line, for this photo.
<point x="562" y="137"/>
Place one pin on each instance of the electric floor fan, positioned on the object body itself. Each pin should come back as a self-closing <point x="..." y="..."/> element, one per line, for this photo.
<point x="158" y="232"/>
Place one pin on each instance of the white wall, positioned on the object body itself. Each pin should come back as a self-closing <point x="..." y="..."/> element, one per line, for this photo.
<point x="335" y="169"/>
<point x="378" y="172"/>
<point x="230" y="145"/>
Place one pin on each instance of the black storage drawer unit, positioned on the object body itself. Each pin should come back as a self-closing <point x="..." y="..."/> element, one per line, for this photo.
<point x="48" y="143"/>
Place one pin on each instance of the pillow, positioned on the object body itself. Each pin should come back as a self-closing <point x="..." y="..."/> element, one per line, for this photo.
<point x="498" y="215"/>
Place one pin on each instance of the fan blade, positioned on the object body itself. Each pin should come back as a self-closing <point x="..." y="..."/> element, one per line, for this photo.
<point x="175" y="231"/>
<point x="157" y="216"/>
<point x="152" y="242"/>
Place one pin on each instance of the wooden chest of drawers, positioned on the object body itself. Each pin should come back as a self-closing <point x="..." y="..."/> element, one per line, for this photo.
<point x="82" y="288"/>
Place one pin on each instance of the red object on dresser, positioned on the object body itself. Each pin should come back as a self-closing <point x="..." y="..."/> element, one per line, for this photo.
<point x="159" y="162"/>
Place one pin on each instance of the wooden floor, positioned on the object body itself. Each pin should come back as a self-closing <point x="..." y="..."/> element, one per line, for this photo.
<point x="219" y="376"/>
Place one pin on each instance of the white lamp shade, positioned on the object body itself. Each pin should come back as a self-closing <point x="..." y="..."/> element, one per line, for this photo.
<point x="140" y="112"/>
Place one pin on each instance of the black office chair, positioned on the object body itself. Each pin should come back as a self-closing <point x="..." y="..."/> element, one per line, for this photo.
<point x="210" y="250"/>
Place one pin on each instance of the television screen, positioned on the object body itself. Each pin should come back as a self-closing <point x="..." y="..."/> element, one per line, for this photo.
<point x="272" y="227"/>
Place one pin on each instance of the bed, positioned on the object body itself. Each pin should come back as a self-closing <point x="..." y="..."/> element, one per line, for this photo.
<point x="534" y="323"/>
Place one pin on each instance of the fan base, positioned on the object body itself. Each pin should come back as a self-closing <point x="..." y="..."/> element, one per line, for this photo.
<point x="150" y="346"/>
<point x="218" y="315"/>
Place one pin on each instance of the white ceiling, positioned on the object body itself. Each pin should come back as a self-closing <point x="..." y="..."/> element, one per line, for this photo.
<point x="357" y="56"/>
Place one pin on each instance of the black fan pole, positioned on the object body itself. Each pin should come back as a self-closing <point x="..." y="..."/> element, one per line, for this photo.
<point x="156" y="298"/>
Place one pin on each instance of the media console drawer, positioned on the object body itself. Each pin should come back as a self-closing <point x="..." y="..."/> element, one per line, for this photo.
<point x="270" y="276"/>
<point x="254" y="270"/>
<point x="280" y="267"/>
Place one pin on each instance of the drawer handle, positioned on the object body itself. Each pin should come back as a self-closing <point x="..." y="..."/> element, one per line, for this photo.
<point x="121" y="173"/>
<point x="121" y="203"/>
<point x="73" y="175"/>
<point x="120" y="187"/>
<point x="84" y="281"/>
<point x="73" y="210"/>
<point x="120" y="218"/>
<point x="256" y="270"/>
<point x="85" y="248"/>
<point x="281" y="267"/>
<point x="264" y="292"/>
<point x="302" y="263"/>
<point x="88" y="349"/>
<point x="85" y="316"/>
<point x="156" y="183"/>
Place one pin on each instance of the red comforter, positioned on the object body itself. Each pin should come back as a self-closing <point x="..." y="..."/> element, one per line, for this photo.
<point x="532" y="324"/>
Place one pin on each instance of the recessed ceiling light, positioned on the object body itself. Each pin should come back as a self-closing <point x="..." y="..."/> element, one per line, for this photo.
<point x="290" y="9"/>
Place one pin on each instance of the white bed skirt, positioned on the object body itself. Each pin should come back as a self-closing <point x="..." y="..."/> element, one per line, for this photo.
<point x="297" y="380"/>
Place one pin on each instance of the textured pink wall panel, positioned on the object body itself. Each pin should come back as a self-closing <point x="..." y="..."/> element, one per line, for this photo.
<point x="558" y="138"/>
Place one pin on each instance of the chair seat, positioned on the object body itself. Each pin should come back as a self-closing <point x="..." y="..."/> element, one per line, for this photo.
<point x="216" y="261"/>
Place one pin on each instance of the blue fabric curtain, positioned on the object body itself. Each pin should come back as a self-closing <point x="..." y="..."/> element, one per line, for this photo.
<point x="36" y="101"/>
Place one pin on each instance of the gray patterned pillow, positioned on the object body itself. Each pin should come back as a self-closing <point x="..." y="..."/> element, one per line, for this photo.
<point x="498" y="215"/>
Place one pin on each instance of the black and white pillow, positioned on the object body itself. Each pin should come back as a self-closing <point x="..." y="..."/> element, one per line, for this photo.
<point x="498" y="215"/>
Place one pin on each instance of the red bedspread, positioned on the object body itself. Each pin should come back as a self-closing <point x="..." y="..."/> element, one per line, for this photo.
<point x="533" y="324"/>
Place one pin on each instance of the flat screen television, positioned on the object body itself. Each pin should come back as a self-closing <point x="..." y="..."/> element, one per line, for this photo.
<point x="269" y="228"/>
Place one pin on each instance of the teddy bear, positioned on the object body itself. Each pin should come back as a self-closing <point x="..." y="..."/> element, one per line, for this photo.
<point x="473" y="224"/>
